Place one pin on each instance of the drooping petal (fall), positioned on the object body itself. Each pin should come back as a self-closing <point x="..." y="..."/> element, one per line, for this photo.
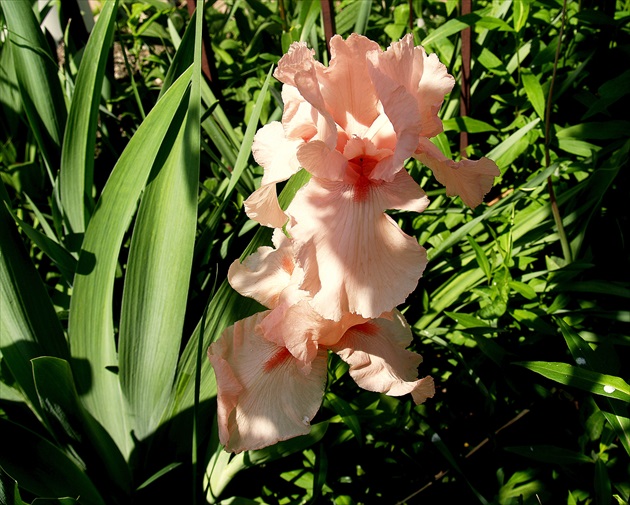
<point x="468" y="179"/>
<point x="379" y="361"/>
<point x="263" y="395"/>
<point x="355" y="257"/>
<point x="263" y="207"/>
<point x="276" y="153"/>
<point x="266" y="273"/>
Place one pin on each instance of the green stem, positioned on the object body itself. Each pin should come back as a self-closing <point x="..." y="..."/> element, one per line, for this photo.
<point x="566" y="248"/>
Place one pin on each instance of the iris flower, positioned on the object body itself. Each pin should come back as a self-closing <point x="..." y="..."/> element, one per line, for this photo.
<point x="271" y="367"/>
<point x="352" y="126"/>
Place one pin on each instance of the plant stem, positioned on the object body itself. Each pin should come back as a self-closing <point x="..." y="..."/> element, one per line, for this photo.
<point x="566" y="248"/>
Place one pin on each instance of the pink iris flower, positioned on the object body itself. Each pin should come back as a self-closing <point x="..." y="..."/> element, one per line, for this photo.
<point x="352" y="126"/>
<point x="271" y="368"/>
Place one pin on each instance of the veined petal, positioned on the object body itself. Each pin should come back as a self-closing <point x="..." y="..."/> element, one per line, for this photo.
<point x="402" y="110"/>
<point x="265" y="274"/>
<point x="263" y="207"/>
<point x="355" y="257"/>
<point x="469" y="179"/>
<point x="322" y="161"/>
<point x="403" y="193"/>
<point x="304" y="331"/>
<point x="346" y="86"/>
<point x="379" y="361"/>
<point x="263" y="396"/>
<point x="299" y="58"/>
<point x="299" y="118"/>
<point x="423" y="78"/>
<point x="276" y="153"/>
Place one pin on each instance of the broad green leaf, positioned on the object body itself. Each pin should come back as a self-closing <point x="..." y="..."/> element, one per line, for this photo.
<point x="347" y="17"/>
<point x="28" y="323"/>
<point x="77" y="155"/>
<point x="466" y="320"/>
<point x="42" y="468"/>
<point x="550" y="454"/>
<point x="11" y="103"/>
<point x="158" y="275"/>
<point x="481" y="257"/>
<point x="72" y="424"/>
<point x="523" y="289"/>
<point x="601" y="384"/>
<point x="467" y="124"/>
<point x="534" y="91"/>
<point x="492" y="62"/>
<point x="577" y="147"/>
<point x="521" y="12"/>
<point x="451" y="27"/>
<point x="36" y="71"/>
<point x="90" y="325"/>
<point x="580" y="350"/>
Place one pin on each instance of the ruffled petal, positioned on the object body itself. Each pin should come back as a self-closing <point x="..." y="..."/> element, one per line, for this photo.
<point x="299" y="69"/>
<point x="423" y="78"/>
<point x="263" y="396"/>
<point x="265" y="274"/>
<point x="276" y="153"/>
<point x="263" y="207"/>
<point x="403" y="193"/>
<point x="379" y="361"/>
<point x="355" y="257"/>
<point x="346" y="86"/>
<point x="304" y="331"/>
<point x="468" y="179"/>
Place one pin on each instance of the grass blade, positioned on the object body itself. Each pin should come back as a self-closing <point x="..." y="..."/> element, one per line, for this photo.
<point x="36" y="71"/>
<point x="364" y="16"/>
<point x="77" y="156"/>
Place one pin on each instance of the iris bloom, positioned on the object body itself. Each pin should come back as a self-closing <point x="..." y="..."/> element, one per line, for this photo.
<point x="352" y="125"/>
<point x="271" y="367"/>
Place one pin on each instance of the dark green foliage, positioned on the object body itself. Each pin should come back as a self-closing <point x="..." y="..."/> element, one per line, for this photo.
<point x="524" y="324"/>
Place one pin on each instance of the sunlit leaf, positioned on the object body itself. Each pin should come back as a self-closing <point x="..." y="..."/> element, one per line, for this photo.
<point x="569" y="375"/>
<point x="91" y="328"/>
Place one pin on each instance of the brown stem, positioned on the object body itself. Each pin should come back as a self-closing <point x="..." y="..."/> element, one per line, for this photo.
<point x="328" y="15"/>
<point x="464" y="102"/>
<point x="207" y="58"/>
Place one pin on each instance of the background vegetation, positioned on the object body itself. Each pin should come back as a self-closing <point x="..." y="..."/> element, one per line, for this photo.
<point x="123" y="173"/>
